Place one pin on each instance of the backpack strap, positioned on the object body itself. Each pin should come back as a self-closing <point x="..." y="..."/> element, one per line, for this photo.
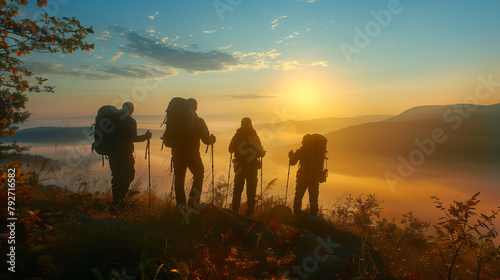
<point x="92" y="128"/>
<point x="164" y="121"/>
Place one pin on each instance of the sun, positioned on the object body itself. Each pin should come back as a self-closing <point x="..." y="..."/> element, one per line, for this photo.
<point x="309" y="93"/>
<point x="305" y="93"/>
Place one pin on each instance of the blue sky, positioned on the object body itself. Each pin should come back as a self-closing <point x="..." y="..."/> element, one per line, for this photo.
<point x="255" y="56"/>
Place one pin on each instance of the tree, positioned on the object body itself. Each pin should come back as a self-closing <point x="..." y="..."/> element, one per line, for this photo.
<point x="459" y="237"/>
<point x="20" y="37"/>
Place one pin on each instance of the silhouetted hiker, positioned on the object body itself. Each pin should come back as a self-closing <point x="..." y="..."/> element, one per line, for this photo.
<point x="247" y="148"/>
<point x="183" y="133"/>
<point x="121" y="158"/>
<point x="310" y="173"/>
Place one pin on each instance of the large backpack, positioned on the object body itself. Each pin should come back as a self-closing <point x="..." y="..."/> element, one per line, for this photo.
<point x="108" y="129"/>
<point x="179" y="122"/>
<point x="315" y="156"/>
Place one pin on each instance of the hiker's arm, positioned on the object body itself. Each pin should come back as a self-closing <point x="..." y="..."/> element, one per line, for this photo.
<point x="133" y="133"/>
<point x="232" y="145"/>
<point x="204" y="134"/>
<point x="294" y="157"/>
<point x="142" y="138"/>
<point x="261" y="152"/>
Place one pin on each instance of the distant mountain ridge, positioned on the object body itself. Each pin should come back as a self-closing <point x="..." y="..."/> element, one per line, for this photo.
<point x="324" y="125"/>
<point x="470" y="138"/>
<point x="72" y="135"/>
<point x="464" y="138"/>
<point x="53" y="135"/>
<point x="436" y="111"/>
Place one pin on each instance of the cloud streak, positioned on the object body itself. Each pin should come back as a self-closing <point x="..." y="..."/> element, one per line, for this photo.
<point x="107" y="73"/>
<point x="251" y="96"/>
<point x="152" y="17"/>
<point x="275" y="22"/>
<point x="174" y="57"/>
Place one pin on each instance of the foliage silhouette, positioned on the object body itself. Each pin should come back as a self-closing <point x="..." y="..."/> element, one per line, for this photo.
<point x="458" y="237"/>
<point x="20" y="37"/>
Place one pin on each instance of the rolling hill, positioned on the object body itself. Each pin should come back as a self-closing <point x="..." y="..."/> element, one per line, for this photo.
<point x="439" y="136"/>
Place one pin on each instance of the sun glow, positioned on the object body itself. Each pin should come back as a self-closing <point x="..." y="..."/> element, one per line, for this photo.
<point x="305" y="93"/>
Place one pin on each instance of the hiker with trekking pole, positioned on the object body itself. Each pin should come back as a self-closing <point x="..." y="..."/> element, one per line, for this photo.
<point x="115" y="132"/>
<point x="183" y="132"/>
<point x="247" y="149"/>
<point x="311" y="172"/>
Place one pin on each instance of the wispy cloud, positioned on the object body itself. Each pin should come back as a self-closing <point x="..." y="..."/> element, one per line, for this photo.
<point x="308" y="1"/>
<point x="117" y="56"/>
<point x="104" y="36"/>
<point x="258" y="60"/>
<point x="291" y="65"/>
<point x="296" y="34"/>
<point x="226" y="47"/>
<point x="210" y="31"/>
<point x="137" y="71"/>
<point x="107" y="73"/>
<point x="251" y="95"/>
<point x="152" y="17"/>
<point x="275" y="22"/>
<point x="319" y="63"/>
<point x="175" y="57"/>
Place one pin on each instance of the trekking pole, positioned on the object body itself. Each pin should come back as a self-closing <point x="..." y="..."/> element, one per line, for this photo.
<point x="287" y="179"/>
<point x="213" y="175"/>
<point x="173" y="180"/>
<point x="261" y="197"/>
<point x="148" y="156"/>
<point x="228" y="178"/>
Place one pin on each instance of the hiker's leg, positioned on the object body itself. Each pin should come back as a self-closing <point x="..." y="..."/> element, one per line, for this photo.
<point x="239" y="183"/>
<point x="115" y="164"/>
<point x="251" y="177"/>
<point x="179" y="175"/>
<point x="313" y="197"/>
<point x="196" y="167"/>
<point x="127" y="173"/>
<point x="300" y="190"/>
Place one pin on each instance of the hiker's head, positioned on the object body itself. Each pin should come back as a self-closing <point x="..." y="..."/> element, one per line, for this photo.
<point x="306" y="139"/>
<point x="246" y="122"/>
<point x="193" y="103"/>
<point x="128" y="107"/>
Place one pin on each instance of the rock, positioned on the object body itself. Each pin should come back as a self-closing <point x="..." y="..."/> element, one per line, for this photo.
<point x="38" y="250"/>
<point x="245" y="229"/>
<point x="104" y="224"/>
<point x="319" y="258"/>
<point x="281" y="214"/>
<point x="45" y="260"/>
<point x="324" y="250"/>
